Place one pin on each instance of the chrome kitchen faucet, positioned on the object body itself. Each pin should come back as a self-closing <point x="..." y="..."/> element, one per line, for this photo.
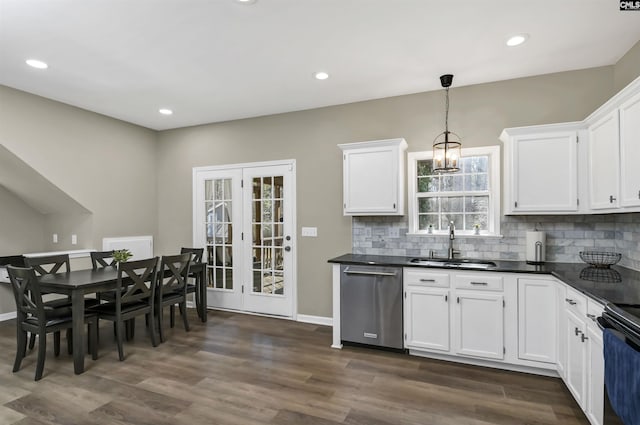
<point x="452" y="235"/>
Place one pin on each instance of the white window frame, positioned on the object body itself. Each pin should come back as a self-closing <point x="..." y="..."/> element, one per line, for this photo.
<point x="494" y="191"/>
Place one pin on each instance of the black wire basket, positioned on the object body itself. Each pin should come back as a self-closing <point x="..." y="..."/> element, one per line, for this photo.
<point x="600" y="259"/>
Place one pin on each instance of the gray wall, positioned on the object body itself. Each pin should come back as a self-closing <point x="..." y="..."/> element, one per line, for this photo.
<point x="21" y="227"/>
<point x="628" y="68"/>
<point x="105" y="164"/>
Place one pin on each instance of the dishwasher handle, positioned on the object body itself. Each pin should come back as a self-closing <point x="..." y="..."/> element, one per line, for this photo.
<point x="368" y="273"/>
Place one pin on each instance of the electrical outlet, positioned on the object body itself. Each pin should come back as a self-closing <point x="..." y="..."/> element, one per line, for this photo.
<point x="74" y="239"/>
<point x="55" y="238"/>
<point x="394" y="232"/>
<point x="310" y="232"/>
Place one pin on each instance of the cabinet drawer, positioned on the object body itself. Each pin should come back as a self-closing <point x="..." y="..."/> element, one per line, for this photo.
<point x="481" y="282"/>
<point x="426" y="278"/>
<point x="576" y="301"/>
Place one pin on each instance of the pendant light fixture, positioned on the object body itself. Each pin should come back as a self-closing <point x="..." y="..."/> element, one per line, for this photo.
<point x="446" y="147"/>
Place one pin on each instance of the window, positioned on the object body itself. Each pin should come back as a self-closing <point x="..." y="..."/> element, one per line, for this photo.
<point x="469" y="198"/>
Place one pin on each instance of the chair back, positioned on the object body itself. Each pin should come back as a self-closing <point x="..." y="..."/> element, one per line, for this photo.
<point x="138" y="277"/>
<point x="48" y="264"/>
<point x="196" y="254"/>
<point x="174" y="270"/>
<point x="101" y="259"/>
<point x="26" y="291"/>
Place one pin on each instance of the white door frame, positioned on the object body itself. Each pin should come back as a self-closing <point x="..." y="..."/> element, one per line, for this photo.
<point x="294" y="228"/>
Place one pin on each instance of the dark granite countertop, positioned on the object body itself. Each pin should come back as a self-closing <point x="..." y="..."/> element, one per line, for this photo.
<point x="616" y="285"/>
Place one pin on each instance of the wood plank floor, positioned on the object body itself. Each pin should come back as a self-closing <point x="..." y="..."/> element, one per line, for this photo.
<point x="246" y="370"/>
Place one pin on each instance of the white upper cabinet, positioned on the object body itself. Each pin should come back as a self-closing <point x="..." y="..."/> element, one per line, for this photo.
<point x="630" y="152"/>
<point x="613" y="133"/>
<point x="541" y="169"/>
<point x="604" y="162"/>
<point x="373" y="177"/>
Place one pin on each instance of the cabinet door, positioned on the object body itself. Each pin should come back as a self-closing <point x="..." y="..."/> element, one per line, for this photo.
<point x="537" y="320"/>
<point x="595" y="366"/>
<point x="373" y="177"/>
<point x="562" y="332"/>
<point x="604" y="162"/>
<point x="427" y="318"/>
<point x="630" y="152"/>
<point x="479" y="327"/>
<point x="576" y="357"/>
<point x="545" y="173"/>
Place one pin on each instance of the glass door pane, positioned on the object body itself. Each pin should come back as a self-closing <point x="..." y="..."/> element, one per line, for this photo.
<point x="218" y="206"/>
<point x="267" y="235"/>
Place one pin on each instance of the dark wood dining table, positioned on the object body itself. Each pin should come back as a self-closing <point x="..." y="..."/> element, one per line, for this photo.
<point x="77" y="283"/>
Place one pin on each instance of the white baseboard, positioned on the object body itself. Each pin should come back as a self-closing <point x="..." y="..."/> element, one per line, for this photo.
<point x="316" y="320"/>
<point x="7" y="316"/>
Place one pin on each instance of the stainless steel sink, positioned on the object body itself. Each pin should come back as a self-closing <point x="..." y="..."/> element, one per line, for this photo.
<point x="458" y="263"/>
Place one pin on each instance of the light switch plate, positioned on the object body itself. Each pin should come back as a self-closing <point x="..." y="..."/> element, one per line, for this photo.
<point x="74" y="239"/>
<point x="310" y="231"/>
<point x="55" y="238"/>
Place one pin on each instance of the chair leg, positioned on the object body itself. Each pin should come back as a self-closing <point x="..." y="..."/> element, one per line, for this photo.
<point x="172" y="316"/>
<point x="56" y="343"/>
<point x="32" y="341"/>
<point x="132" y="328"/>
<point x="93" y="339"/>
<point x="160" y="325"/>
<point x="183" y="313"/>
<point x="152" y="328"/>
<point x="42" y="352"/>
<point x="119" y="332"/>
<point x="70" y="341"/>
<point x="21" y="349"/>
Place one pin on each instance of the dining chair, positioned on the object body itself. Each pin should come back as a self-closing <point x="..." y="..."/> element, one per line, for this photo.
<point x="34" y="316"/>
<point x="172" y="287"/>
<point x="192" y="288"/>
<point x="101" y="259"/>
<point x="139" y="280"/>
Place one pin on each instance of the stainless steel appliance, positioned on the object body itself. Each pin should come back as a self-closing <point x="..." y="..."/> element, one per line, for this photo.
<point x="371" y="305"/>
<point x="624" y="320"/>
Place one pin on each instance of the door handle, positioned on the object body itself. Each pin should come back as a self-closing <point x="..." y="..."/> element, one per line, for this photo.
<point x="366" y="273"/>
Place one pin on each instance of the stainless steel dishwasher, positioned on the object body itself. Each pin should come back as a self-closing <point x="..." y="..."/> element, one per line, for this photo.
<point x="371" y="305"/>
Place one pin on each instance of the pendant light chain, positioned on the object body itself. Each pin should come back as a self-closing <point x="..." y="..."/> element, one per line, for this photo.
<point x="446" y="113"/>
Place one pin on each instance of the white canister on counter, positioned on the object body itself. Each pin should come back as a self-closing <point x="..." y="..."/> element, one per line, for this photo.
<point x="536" y="247"/>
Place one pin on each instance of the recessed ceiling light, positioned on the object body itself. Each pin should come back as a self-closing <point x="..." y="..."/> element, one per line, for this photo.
<point x="37" y="64"/>
<point x="165" y="111"/>
<point x="321" y="75"/>
<point x="246" y="1"/>
<point x="517" y="40"/>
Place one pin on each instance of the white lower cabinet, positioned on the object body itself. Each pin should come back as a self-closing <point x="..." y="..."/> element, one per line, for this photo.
<point x="525" y="322"/>
<point x="427" y="315"/>
<point x="538" y="320"/>
<point x="595" y="366"/>
<point x="576" y="377"/>
<point x="479" y="324"/>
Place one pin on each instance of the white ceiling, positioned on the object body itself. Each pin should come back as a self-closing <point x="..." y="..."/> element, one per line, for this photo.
<point x="218" y="60"/>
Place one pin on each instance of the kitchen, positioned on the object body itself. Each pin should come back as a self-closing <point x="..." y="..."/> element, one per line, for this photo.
<point x="61" y="142"/>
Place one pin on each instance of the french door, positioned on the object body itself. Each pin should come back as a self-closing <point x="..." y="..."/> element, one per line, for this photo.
<point x="244" y="217"/>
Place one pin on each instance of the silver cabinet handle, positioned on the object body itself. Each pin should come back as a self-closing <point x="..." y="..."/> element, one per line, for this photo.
<point x="479" y="283"/>
<point x="578" y="331"/>
<point x="427" y="280"/>
<point x="446" y="298"/>
<point x="591" y="316"/>
<point x="583" y="337"/>
<point x="570" y="301"/>
<point x="611" y="199"/>
<point x="366" y="273"/>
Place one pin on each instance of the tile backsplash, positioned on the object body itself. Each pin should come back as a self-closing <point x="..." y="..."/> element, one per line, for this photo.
<point x="566" y="237"/>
